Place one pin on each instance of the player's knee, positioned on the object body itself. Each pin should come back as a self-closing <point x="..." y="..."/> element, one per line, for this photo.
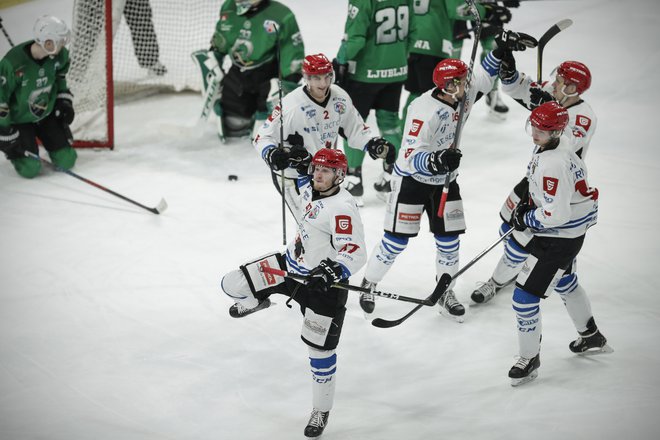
<point x="64" y="158"/>
<point x="27" y="167"/>
<point x="567" y="284"/>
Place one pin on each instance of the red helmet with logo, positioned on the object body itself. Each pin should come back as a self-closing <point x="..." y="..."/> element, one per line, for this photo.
<point x="331" y="158"/>
<point x="576" y="73"/>
<point x="316" y="65"/>
<point x="549" y="116"/>
<point x="448" y="69"/>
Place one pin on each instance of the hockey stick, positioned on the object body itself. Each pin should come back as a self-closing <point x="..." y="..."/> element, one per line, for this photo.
<point x="441" y="286"/>
<point x="430" y="301"/>
<point x="162" y="205"/>
<point x="271" y="27"/>
<point x="461" y="110"/>
<point x="4" y="31"/>
<point x="549" y="34"/>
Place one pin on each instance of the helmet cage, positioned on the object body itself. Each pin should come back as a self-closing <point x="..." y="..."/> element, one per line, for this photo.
<point x="49" y="28"/>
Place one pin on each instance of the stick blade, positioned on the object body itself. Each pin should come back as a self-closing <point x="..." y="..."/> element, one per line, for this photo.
<point x="440" y="288"/>
<point x="563" y="24"/>
<point x="162" y="206"/>
<point x="383" y="323"/>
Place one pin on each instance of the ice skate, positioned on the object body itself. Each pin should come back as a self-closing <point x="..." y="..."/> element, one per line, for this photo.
<point x="590" y="342"/>
<point x="486" y="291"/>
<point x="450" y="307"/>
<point x="353" y="182"/>
<point x="240" y="311"/>
<point x="383" y="187"/>
<point x="498" y="109"/>
<point x="525" y="370"/>
<point x="157" y="69"/>
<point x="316" y="424"/>
<point x="368" y="300"/>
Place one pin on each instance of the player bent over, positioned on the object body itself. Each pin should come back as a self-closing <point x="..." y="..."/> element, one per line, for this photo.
<point x="555" y="217"/>
<point x="328" y="247"/>
<point x="35" y="101"/>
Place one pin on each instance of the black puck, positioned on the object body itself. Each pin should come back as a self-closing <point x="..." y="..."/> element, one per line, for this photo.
<point x="232" y="177"/>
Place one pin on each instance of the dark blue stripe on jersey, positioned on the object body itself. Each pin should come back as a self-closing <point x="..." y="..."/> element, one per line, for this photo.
<point x="303" y="180"/>
<point x="491" y="64"/>
<point x="293" y="264"/>
<point x="323" y="363"/>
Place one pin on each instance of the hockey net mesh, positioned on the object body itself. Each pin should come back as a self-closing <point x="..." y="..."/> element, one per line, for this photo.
<point x="151" y="52"/>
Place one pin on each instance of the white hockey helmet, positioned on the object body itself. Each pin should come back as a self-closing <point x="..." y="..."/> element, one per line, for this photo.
<point x="242" y="6"/>
<point x="49" y="28"/>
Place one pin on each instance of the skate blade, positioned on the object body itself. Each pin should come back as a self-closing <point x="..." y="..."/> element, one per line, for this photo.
<point x="524" y="380"/>
<point x="457" y="318"/>
<point x="605" y="349"/>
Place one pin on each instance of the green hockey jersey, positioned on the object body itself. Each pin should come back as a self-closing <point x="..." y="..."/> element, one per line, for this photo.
<point x="376" y="40"/>
<point x="250" y="41"/>
<point x="29" y="88"/>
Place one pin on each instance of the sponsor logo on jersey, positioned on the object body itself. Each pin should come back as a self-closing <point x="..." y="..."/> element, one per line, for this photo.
<point x="275" y="114"/>
<point x="583" y="122"/>
<point x="416" y="127"/>
<point x="224" y="17"/>
<point x="310" y="113"/>
<point x="550" y="185"/>
<point x="387" y="73"/>
<point x="509" y="204"/>
<point x="422" y="44"/>
<point x="353" y="11"/>
<point x="582" y="188"/>
<point x="340" y="108"/>
<point x="269" y="278"/>
<point x="408" y="152"/>
<point x="455" y="214"/>
<point x="315" y="327"/>
<point x="410" y="217"/>
<point x="343" y="224"/>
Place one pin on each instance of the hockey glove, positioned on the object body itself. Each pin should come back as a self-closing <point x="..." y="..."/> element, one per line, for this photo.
<point x="9" y="143"/>
<point x="277" y="158"/>
<point x="63" y="109"/>
<point x="295" y="140"/>
<point x="518" y="216"/>
<point x="538" y="96"/>
<point x="323" y="276"/>
<point x="380" y="148"/>
<point x="511" y="3"/>
<point x="509" y="40"/>
<point x="299" y="158"/>
<point x="341" y="73"/>
<point x="441" y="162"/>
<point x="507" y="67"/>
<point x="496" y="14"/>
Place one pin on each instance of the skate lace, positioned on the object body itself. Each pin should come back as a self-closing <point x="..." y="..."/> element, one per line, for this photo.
<point x="316" y="419"/>
<point x="241" y="309"/>
<point x="487" y="289"/>
<point x="521" y="363"/>
<point x="368" y="296"/>
<point x="449" y="300"/>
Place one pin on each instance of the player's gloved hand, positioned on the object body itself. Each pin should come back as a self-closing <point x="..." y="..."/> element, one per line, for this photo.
<point x="518" y="216"/>
<point x="511" y="3"/>
<point x="380" y="148"/>
<point x="323" y="276"/>
<point x="341" y="73"/>
<point x="538" y="96"/>
<point x="496" y="14"/>
<point x="299" y="158"/>
<point x="441" y="162"/>
<point x="9" y="143"/>
<point x="510" y="40"/>
<point x="507" y="67"/>
<point x="63" y="109"/>
<point x="277" y="158"/>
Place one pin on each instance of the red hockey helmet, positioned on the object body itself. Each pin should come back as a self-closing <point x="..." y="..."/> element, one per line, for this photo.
<point x="331" y="158"/>
<point x="549" y="116"/>
<point x="576" y="73"/>
<point x="448" y="69"/>
<point x="316" y="65"/>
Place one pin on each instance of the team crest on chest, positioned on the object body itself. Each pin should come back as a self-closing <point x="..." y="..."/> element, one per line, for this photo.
<point x="340" y="108"/>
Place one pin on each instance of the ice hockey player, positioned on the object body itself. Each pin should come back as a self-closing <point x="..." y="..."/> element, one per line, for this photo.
<point x="328" y="248"/>
<point x="570" y="80"/>
<point x="555" y="217"/>
<point x="35" y="101"/>
<point x="249" y="32"/>
<point x="372" y="65"/>
<point x="315" y="116"/>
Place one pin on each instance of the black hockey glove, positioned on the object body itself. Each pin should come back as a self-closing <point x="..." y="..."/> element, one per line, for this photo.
<point x="507" y="67"/>
<point x="9" y="143"/>
<point x="299" y="158"/>
<point x="323" y="276"/>
<point x="496" y="14"/>
<point x="63" y="109"/>
<point x="295" y="140"/>
<point x="277" y="158"/>
<point x="511" y="3"/>
<point x="380" y="148"/>
<point x="441" y="162"/>
<point x="341" y="73"/>
<point x="509" y="40"/>
<point x="518" y="216"/>
<point x="538" y="96"/>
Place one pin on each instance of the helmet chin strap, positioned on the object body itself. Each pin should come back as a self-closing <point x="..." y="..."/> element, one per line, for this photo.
<point x="566" y="95"/>
<point x="453" y="95"/>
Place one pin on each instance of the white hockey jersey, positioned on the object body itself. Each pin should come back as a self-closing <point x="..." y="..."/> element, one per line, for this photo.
<point x="582" y="119"/>
<point x="318" y="124"/>
<point x="431" y="125"/>
<point x="330" y="227"/>
<point x="566" y="205"/>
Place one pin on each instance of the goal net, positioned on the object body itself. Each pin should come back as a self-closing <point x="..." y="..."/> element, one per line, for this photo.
<point x="125" y="49"/>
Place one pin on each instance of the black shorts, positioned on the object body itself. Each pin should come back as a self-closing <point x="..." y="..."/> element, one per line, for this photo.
<point x="379" y="96"/>
<point x="53" y="134"/>
<point x="245" y="93"/>
<point x="550" y="258"/>
<point x="420" y="72"/>
<point x="425" y="198"/>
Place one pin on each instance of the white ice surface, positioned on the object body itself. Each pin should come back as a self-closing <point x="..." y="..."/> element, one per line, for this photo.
<point x="112" y="324"/>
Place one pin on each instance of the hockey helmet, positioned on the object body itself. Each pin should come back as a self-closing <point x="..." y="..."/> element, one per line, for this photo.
<point x="549" y="116"/>
<point x="49" y="28"/>
<point x="243" y="6"/>
<point x="331" y="158"/>
<point x="576" y="73"/>
<point x="317" y="64"/>
<point x="447" y="70"/>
